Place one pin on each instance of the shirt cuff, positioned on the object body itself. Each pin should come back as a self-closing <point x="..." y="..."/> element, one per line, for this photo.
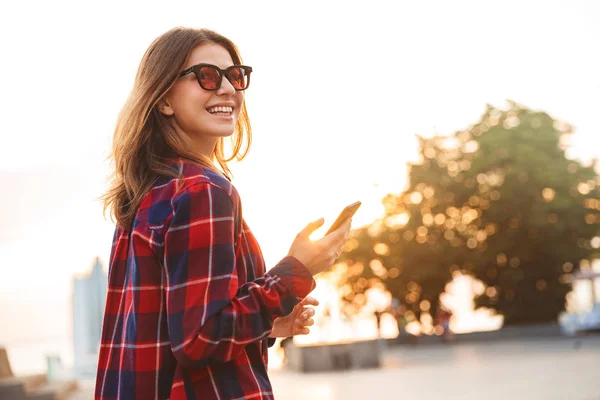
<point x="296" y="278"/>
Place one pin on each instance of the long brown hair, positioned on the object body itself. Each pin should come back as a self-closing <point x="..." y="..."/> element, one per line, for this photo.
<point x="144" y="140"/>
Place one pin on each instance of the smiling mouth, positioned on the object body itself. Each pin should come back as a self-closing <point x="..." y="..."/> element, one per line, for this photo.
<point x="224" y="111"/>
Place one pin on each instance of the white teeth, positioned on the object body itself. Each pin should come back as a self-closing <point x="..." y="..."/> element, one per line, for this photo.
<point x="220" y="109"/>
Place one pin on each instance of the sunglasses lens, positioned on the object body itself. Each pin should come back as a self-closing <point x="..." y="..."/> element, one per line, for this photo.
<point x="209" y="78"/>
<point x="238" y="78"/>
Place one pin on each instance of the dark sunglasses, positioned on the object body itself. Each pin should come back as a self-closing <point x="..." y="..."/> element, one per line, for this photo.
<point x="210" y="76"/>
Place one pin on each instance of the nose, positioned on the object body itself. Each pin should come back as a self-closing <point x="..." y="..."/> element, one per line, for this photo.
<point x="226" y="87"/>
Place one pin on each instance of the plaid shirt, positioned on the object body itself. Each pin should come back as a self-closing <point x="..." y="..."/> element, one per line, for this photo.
<point x="190" y="305"/>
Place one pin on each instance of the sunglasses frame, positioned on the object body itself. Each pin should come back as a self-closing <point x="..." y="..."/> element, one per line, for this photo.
<point x="222" y="73"/>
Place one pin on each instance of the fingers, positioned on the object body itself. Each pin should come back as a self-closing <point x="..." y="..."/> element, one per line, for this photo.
<point x="318" y="255"/>
<point x="346" y="228"/>
<point x="309" y="301"/>
<point x="308" y="313"/>
<point x="306" y="318"/>
<point x="339" y="236"/>
<point x="304" y="321"/>
<point x="310" y="228"/>
<point x="344" y="232"/>
<point x="334" y="242"/>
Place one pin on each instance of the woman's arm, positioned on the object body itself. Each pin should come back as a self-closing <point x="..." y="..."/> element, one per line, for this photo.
<point x="210" y="319"/>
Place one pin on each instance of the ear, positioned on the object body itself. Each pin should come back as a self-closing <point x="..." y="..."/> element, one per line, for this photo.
<point x="164" y="106"/>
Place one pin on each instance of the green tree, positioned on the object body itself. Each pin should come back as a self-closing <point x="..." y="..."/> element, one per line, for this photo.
<point x="499" y="201"/>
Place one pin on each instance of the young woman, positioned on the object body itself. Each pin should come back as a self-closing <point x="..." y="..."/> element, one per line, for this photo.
<point x="190" y="309"/>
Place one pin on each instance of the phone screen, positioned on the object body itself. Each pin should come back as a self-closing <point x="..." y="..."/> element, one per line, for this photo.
<point x="346" y="213"/>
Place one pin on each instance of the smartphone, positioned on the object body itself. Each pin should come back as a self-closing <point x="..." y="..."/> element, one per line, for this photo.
<point x="346" y="213"/>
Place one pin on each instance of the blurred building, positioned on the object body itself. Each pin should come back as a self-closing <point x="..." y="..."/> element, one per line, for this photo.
<point x="89" y="298"/>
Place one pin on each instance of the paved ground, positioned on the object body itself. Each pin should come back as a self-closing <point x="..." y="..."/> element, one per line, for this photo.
<point x="529" y="369"/>
<point x="548" y="369"/>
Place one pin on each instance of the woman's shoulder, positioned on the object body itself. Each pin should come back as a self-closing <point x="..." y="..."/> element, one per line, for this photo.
<point x="194" y="174"/>
<point x="190" y="174"/>
<point x="164" y="195"/>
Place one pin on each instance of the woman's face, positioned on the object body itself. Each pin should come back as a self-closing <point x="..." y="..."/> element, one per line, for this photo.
<point x="205" y="116"/>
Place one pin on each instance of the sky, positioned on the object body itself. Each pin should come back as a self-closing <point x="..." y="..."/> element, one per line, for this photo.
<point x="338" y="92"/>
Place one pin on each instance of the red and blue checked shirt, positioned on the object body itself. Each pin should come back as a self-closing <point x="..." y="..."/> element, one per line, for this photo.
<point x="190" y="305"/>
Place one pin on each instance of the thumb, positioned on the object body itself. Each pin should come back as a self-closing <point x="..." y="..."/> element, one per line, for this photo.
<point x="310" y="228"/>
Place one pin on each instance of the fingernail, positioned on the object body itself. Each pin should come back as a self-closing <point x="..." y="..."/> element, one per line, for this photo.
<point x="305" y="315"/>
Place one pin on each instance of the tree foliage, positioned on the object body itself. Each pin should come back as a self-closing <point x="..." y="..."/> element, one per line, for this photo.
<point x="499" y="201"/>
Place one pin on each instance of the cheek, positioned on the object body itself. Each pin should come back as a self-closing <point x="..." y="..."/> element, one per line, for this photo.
<point x="190" y="94"/>
<point x="191" y="104"/>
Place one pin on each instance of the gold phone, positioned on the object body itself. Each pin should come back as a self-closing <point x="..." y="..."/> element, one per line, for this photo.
<point x="346" y="213"/>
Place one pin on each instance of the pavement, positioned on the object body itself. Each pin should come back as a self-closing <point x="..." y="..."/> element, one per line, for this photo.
<point x="531" y="369"/>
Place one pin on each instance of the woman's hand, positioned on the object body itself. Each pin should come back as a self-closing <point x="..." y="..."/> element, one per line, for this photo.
<point x="319" y="255"/>
<point x="296" y="322"/>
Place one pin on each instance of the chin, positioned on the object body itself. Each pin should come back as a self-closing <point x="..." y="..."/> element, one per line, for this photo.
<point x="221" y="130"/>
<point x="223" y="133"/>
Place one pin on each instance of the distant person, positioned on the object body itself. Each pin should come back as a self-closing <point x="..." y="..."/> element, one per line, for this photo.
<point x="443" y="319"/>
<point x="378" y="315"/>
<point x="190" y="309"/>
<point x="399" y="313"/>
